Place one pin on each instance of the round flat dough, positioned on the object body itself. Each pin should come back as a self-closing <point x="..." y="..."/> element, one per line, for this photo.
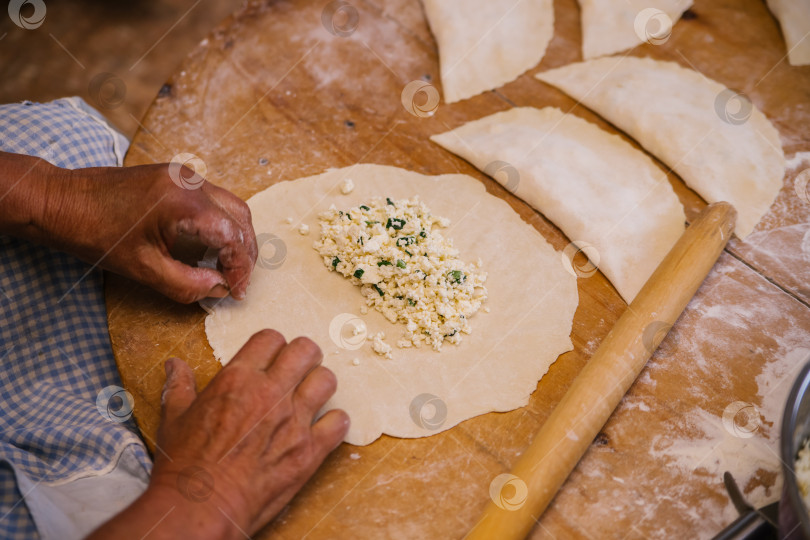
<point x="418" y="392"/>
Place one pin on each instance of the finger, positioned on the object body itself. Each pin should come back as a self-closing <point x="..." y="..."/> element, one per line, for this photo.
<point x="238" y="210"/>
<point x="179" y="391"/>
<point x="181" y="282"/>
<point x="294" y="362"/>
<point x="216" y="229"/>
<point x="314" y="391"/>
<point x="235" y="206"/>
<point x="189" y="284"/>
<point x="259" y="351"/>
<point x="329" y="431"/>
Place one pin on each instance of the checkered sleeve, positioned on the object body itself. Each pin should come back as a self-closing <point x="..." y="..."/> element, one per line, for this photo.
<point x="63" y="413"/>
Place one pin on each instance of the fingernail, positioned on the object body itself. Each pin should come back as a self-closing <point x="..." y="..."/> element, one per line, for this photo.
<point x="169" y="367"/>
<point x="218" y="291"/>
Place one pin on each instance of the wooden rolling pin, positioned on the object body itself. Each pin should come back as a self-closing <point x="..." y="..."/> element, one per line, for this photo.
<point x="602" y="383"/>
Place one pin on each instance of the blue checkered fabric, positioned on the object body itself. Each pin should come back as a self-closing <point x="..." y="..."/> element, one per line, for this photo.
<point x="54" y="343"/>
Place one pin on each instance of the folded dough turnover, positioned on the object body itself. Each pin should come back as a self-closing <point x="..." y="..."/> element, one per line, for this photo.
<point x="484" y="44"/>
<point x="593" y="185"/>
<point x="794" y="18"/>
<point x="717" y="141"/>
<point x="610" y="26"/>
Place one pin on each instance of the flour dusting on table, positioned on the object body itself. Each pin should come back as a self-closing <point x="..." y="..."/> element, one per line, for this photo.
<point x="735" y="429"/>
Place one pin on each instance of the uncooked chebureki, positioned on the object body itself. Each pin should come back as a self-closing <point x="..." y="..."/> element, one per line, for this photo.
<point x="418" y="392"/>
<point x="794" y="18"/>
<point x="610" y="26"/>
<point x="485" y="44"/>
<point x="593" y="185"/>
<point x="717" y="141"/>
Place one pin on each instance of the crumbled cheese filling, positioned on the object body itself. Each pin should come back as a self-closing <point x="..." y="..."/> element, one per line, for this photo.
<point x="406" y="269"/>
<point x="379" y="346"/>
<point x="347" y="186"/>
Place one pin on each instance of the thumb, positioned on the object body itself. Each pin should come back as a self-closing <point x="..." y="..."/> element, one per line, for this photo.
<point x="179" y="391"/>
<point x="187" y="284"/>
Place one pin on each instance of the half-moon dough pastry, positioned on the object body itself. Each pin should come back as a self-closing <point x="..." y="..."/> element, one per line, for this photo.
<point x="593" y="185"/>
<point x="717" y="141"/>
<point x="485" y="44"/>
<point x="794" y="18"/>
<point x="610" y="26"/>
<point x="418" y="392"/>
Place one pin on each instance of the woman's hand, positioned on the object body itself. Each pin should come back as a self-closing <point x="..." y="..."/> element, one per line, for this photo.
<point x="128" y="219"/>
<point x="229" y="458"/>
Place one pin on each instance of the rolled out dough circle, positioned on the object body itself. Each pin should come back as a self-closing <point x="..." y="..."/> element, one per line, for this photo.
<point x="418" y="392"/>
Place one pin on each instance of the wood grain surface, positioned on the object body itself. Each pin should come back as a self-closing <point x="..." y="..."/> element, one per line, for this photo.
<point x="598" y="389"/>
<point x="271" y="96"/>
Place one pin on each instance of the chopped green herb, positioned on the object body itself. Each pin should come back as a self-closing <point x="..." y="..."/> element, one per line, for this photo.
<point x="378" y="289"/>
<point x="451" y="334"/>
<point x="340" y="213"/>
<point x="384" y="263"/>
<point x="359" y="273"/>
<point x="335" y="262"/>
<point x="400" y="263"/>
<point x="360" y="240"/>
<point x="370" y="223"/>
<point x="403" y="241"/>
<point x="399" y="297"/>
<point x="389" y="201"/>
<point x="423" y="234"/>
<point x="456" y="276"/>
<point x="395" y="223"/>
<point x="350" y="216"/>
<point x="408" y="252"/>
<point x="411" y="302"/>
<point x="364" y="207"/>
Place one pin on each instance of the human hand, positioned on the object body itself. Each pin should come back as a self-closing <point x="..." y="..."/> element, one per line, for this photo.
<point x="252" y="428"/>
<point x="231" y="457"/>
<point x="127" y="220"/>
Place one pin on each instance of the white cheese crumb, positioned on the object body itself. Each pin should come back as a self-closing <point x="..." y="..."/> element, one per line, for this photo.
<point x="359" y="329"/>
<point x="356" y="362"/>
<point x="289" y="220"/>
<point x="363" y="309"/>
<point x="347" y="187"/>
<point x="354" y="456"/>
<point x="406" y="269"/>
<point x="379" y="346"/>
<point x="303" y="230"/>
<point x="486" y="309"/>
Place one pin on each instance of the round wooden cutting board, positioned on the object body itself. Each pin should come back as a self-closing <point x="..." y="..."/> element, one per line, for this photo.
<point x="282" y="90"/>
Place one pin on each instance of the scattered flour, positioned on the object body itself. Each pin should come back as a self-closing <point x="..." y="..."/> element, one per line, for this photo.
<point x="743" y="436"/>
<point x="718" y="385"/>
<point x="798" y="159"/>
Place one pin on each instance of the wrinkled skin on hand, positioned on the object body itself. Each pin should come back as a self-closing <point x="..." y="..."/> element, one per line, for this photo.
<point x="127" y="220"/>
<point x="230" y="458"/>
<point x="252" y="428"/>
